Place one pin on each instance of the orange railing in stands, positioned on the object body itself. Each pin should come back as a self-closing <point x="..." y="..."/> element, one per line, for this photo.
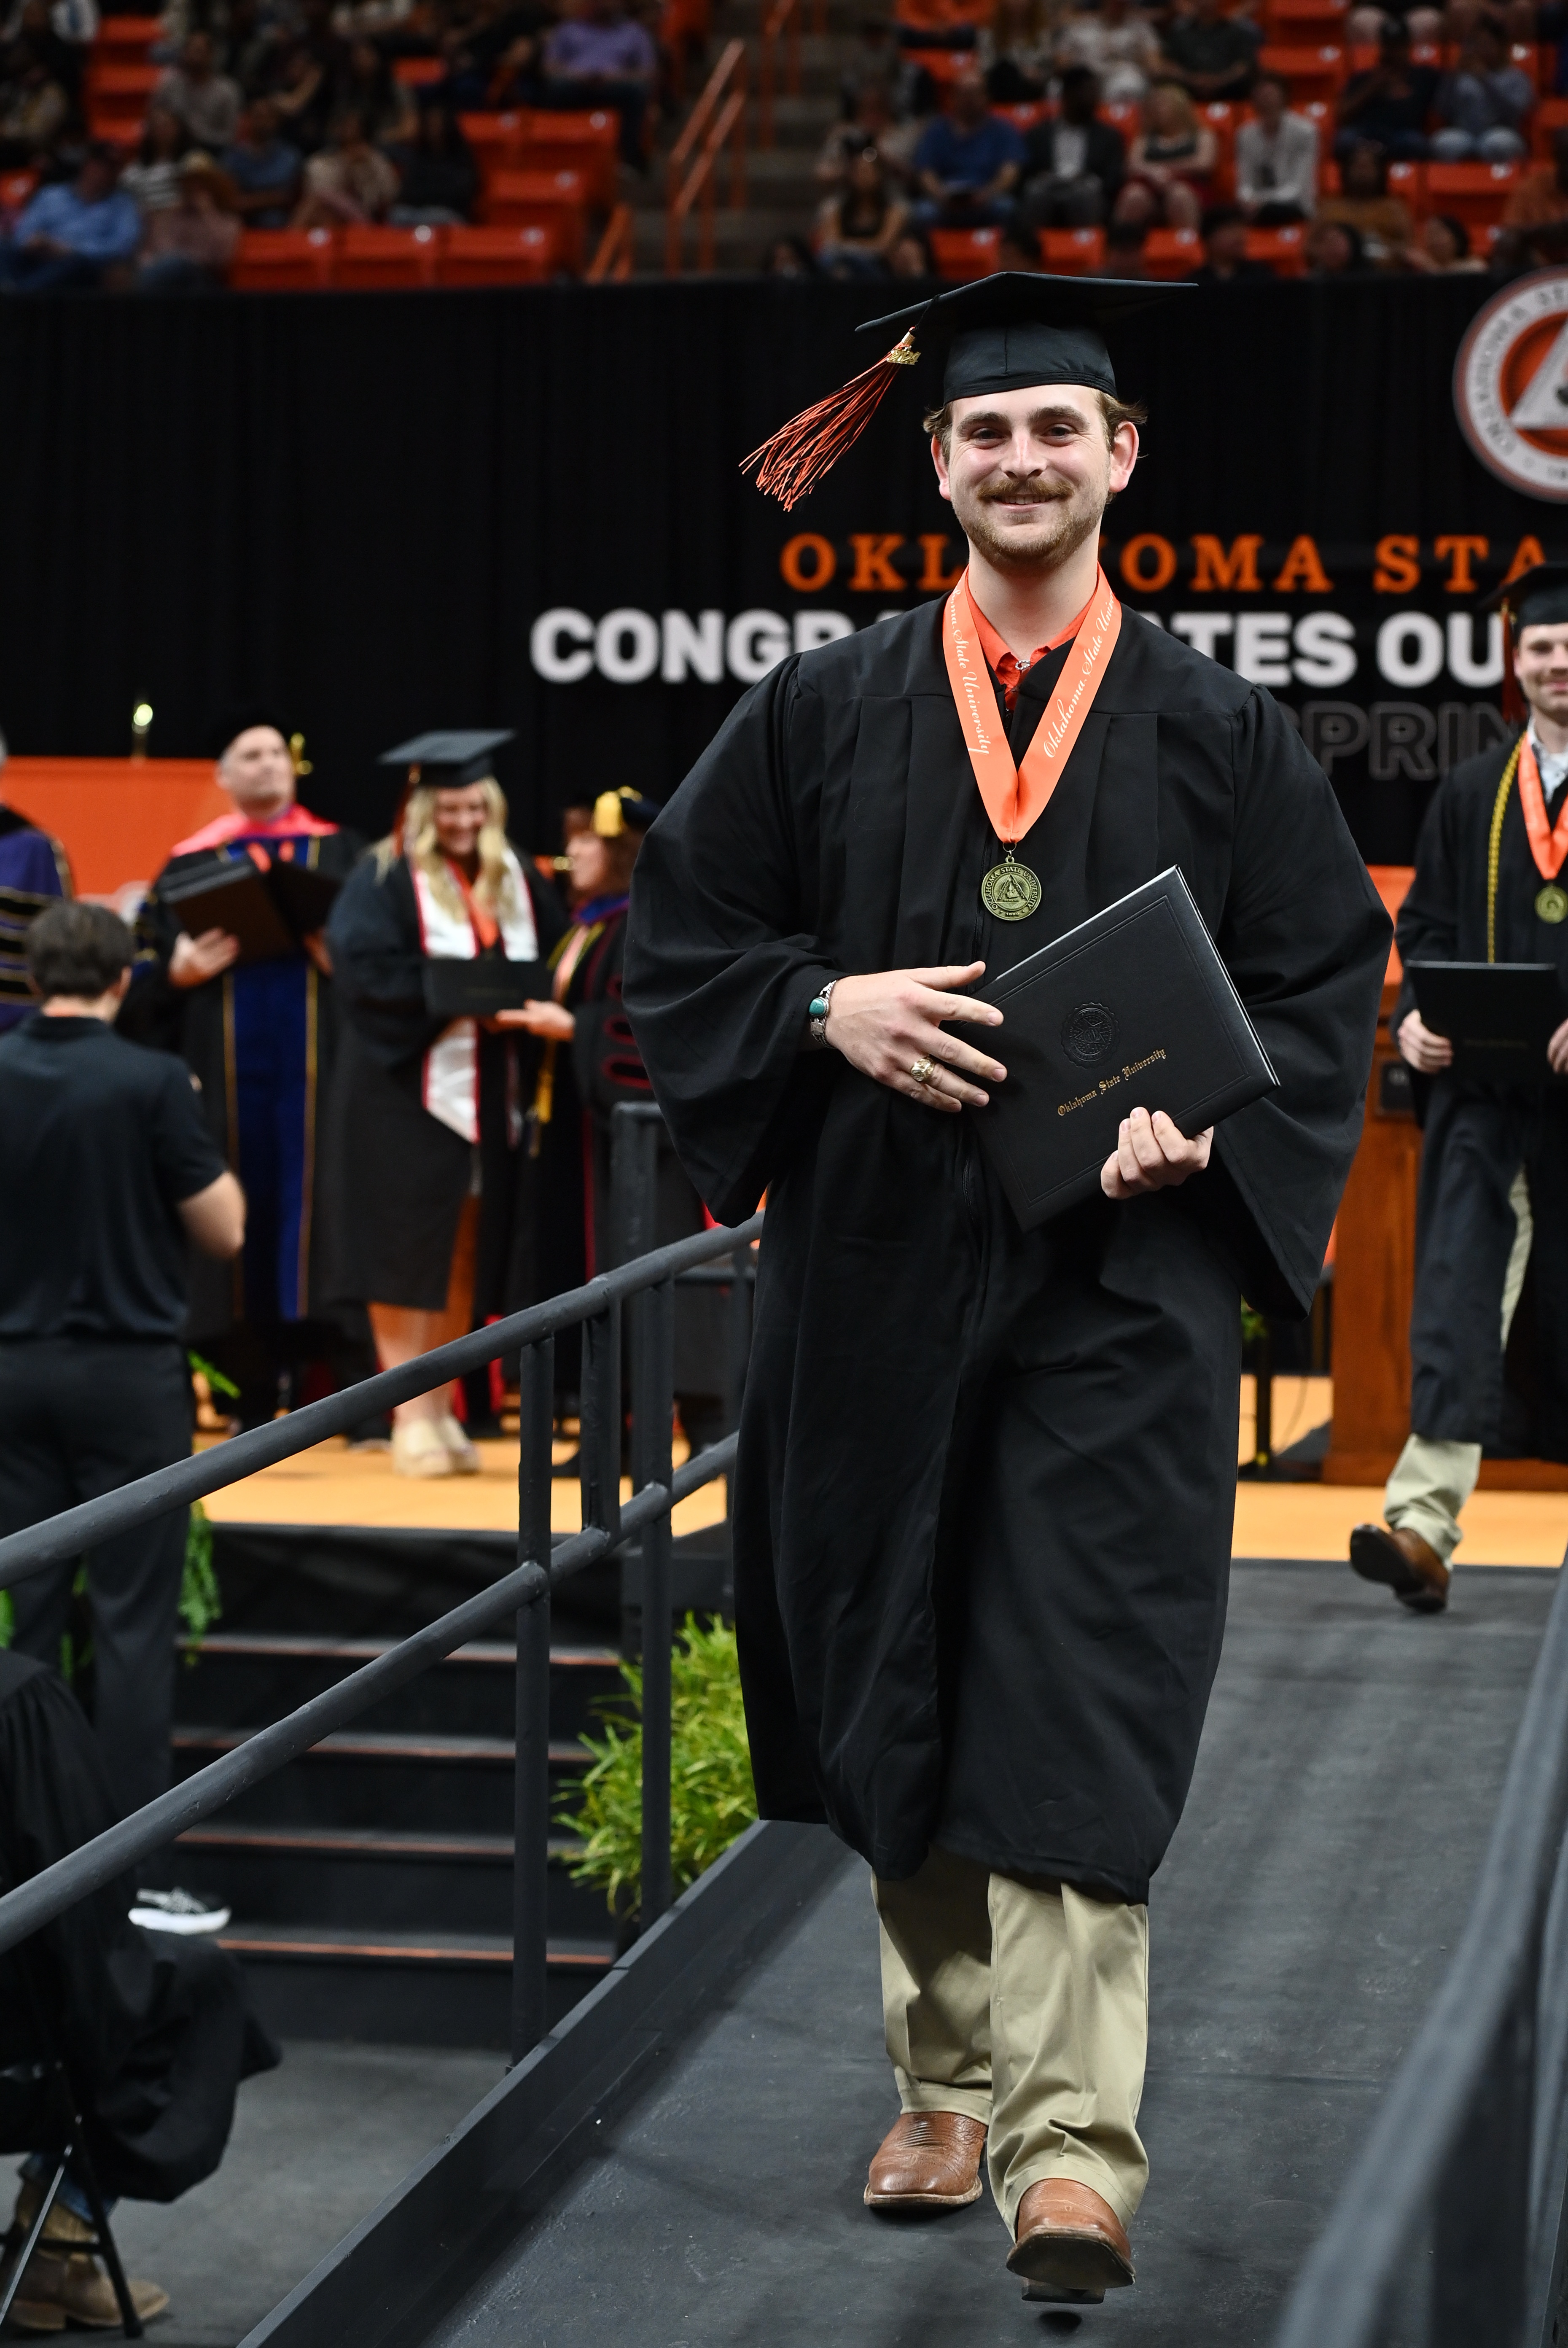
<point x="718" y="119"/>
<point x="613" y="258"/>
<point x="782" y="23"/>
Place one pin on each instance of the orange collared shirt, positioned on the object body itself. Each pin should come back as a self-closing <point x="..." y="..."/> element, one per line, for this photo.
<point x="1004" y="664"/>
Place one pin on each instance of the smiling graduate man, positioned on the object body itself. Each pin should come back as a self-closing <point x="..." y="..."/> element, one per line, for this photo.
<point x="987" y="1478"/>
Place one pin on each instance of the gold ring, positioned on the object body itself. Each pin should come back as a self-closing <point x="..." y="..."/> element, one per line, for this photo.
<point x="922" y="1070"/>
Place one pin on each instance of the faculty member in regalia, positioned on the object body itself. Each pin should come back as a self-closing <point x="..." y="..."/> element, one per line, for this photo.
<point x="987" y="1478"/>
<point x="1489" y="1324"/>
<point x="260" y="1038"/>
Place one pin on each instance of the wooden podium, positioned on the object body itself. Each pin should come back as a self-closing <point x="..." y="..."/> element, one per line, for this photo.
<point x="1375" y="1273"/>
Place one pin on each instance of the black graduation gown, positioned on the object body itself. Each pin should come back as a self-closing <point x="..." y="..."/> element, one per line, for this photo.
<point x="199" y="1023"/>
<point x="155" y="2030"/>
<point x="1476" y="1138"/>
<point x="986" y="1482"/>
<point x="405" y="1174"/>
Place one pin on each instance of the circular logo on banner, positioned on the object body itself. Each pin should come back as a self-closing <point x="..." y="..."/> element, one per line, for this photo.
<point x="1089" y="1033"/>
<point x="1511" y="384"/>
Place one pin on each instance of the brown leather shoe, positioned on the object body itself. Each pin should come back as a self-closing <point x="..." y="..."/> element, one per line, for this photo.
<point x="63" y="2286"/>
<point x="927" y="2160"/>
<point x="1407" y="1564"/>
<point x="1070" y="2245"/>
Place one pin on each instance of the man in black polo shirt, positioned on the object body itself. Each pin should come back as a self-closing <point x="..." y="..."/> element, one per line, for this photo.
<point x="107" y="1169"/>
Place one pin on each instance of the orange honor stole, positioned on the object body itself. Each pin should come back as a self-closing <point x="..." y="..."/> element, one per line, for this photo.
<point x="1014" y="798"/>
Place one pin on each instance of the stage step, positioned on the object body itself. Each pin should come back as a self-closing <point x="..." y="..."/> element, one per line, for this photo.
<point x="237" y="1678"/>
<point x="371" y="1778"/>
<point x="429" y="1988"/>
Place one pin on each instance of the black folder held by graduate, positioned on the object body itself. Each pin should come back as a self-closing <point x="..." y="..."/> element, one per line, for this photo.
<point x="479" y="987"/>
<point x="269" y="912"/>
<point x="1500" y="1016"/>
<point x="1134" y="1009"/>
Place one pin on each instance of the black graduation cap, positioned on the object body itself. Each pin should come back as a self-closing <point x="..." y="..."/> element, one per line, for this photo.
<point x="626" y="809"/>
<point x="1538" y="598"/>
<point x="237" y="718"/>
<point x="1002" y="333"/>
<point x="447" y="761"/>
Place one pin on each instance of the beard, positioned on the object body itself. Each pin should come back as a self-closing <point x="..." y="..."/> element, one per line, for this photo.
<point x="1071" y="516"/>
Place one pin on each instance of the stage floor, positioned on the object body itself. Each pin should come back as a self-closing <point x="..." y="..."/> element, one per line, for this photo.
<point x="331" y="1485"/>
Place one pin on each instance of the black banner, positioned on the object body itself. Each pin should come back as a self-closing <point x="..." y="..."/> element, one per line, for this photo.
<point x="392" y="513"/>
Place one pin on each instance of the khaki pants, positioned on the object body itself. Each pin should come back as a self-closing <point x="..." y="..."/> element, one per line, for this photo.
<point x="1025" y="2005"/>
<point x="1432" y="1481"/>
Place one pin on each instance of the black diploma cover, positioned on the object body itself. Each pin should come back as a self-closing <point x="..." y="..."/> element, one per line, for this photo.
<point x="1498" y="1015"/>
<point x="269" y="912"/>
<point x="478" y="988"/>
<point x="1134" y="1009"/>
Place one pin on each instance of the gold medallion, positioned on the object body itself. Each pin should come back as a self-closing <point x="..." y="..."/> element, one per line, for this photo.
<point x="1552" y="904"/>
<point x="1010" y="892"/>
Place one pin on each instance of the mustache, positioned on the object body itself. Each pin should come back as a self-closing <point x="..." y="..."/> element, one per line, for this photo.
<point x="1037" y="490"/>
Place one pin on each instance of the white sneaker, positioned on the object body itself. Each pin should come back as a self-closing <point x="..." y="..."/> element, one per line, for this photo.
<point x="176" y="1912"/>
<point x="417" y="1449"/>
<point x="465" y="1458"/>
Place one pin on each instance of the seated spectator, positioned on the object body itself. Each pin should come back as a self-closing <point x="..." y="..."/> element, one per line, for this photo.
<point x="1124" y="242"/>
<point x="1388" y="103"/>
<point x="1442" y="248"/>
<point x="1211" y="57"/>
<point x="1074" y="163"/>
<point x="152" y="181"/>
<point x="1483" y="106"/>
<point x="206" y="102"/>
<point x="1170" y="165"/>
<point x="188" y="245"/>
<point x="263" y="169"/>
<point x="911" y="256"/>
<point x="494" y="55"/>
<point x="301" y="97"/>
<point x="870" y="124"/>
<point x="63" y="31"/>
<point x="1535" y="217"/>
<point x="349" y="182"/>
<point x="1381" y="222"/>
<point x="1332" y="249"/>
<point x="1116" y="42"/>
<point x="32" y="108"/>
<point x="967" y="162"/>
<point x="875" y="58"/>
<point x="857" y="228"/>
<point x="602" y="57"/>
<point x="789" y="256"/>
<point x="1014" y="52"/>
<point x="1226" y="261"/>
<point x="1275" y="159"/>
<point x="438" y="180"/>
<point x="74" y="234"/>
<point x="367" y="82"/>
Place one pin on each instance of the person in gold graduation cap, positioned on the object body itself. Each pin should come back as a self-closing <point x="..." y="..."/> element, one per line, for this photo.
<point x="1489" y="1324"/>
<point x="986" y="1477"/>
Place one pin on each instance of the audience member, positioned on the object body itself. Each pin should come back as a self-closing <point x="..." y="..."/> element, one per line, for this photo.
<point x="188" y="245"/>
<point x="1115" y="42"/>
<point x="34" y="870"/>
<point x="1442" y="248"/>
<point x="107" y="1170"/>
<point x="602" y="57"/>
<point x="1211" y="54"/>
<point x="859" y="227"/>
<point x="32" y="108"/>
<point x="1535" y="217"/>
<point x="877" y="59"/>
<point x="1014" y="52"/>
<point x="911" y="256"/>
<point x="1382" y="221"/>
<point x="301" y="97"/>
<point x="1388" y="104"/>
<point x="1226" y="261"/>
<point x="789" y="256"/>
<point x="1332" y="249"/>
<point x="348" y="181"/>
<point x="1484" y="105"/>
<point x="152" y="178"/>
<point x="206" y="102"/>
<point x="1171" y="162"/>
<point x="967" y="162"/>
<point x="263" y="169"/>
<point x="870" y="124"/>
<point x="1275" y="159"/>
<point x="436" y="1155"/>
<point x="438" y="179"/>
<point x="1124" y="254"/>
<point x="1074" y="162"/>
<point x="62" y="31"/>
<point x="367" y="82"/>
<point x="72" y="235"/>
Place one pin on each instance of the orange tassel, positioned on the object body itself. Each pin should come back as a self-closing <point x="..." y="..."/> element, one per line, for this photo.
<point x="800" y="452"/>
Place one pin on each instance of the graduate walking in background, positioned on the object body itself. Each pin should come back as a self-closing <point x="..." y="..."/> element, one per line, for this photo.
<point x="987" y="1478"/>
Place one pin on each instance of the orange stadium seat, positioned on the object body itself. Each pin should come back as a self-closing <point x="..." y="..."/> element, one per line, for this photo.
<point x="1222" y="117"/>
<point x="497" y="256"/>
<point x="1074" y="252"/>
<point x="1024" y="118"/>
<point x="1307" y="21"/>
<point x="370" y="260"/>
<point x="1173" y="251"/>
<point x="588" y="141"/>
<point x="126" y="40"/>
<point x="1550" y="117"/>
<point x="963" y="253"/>
<point x="117" y="97"/>
<point x="496" y="138"/>
<point x="1472" y="192"/>
<point x="284" y="261"/>
<point x="1284" y="248"/>
<point x="1125" y="115"/>
<point x="419" y="73"/>
<point x="1309" y="73"/>
<point x="15" y="188"/>
<point x="554" y="200"/>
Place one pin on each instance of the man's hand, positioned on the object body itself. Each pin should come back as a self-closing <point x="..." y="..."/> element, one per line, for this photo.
<point x="1152" y="1154"/>
<point x="196" y="960"/>
<point x="551" y="1020"/>
<point x="887" y="1020"/>
<point x="1557" y="1050"/>
<point x="1423" y="1050"/>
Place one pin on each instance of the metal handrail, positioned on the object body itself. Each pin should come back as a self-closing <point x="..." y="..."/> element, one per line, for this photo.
<point x="648" y="1285"/>
<point x="1468" y="2160"/>
<point x="612" y="258"/>
<point x="717" y="118"/>
<point x="781" y="22"/>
